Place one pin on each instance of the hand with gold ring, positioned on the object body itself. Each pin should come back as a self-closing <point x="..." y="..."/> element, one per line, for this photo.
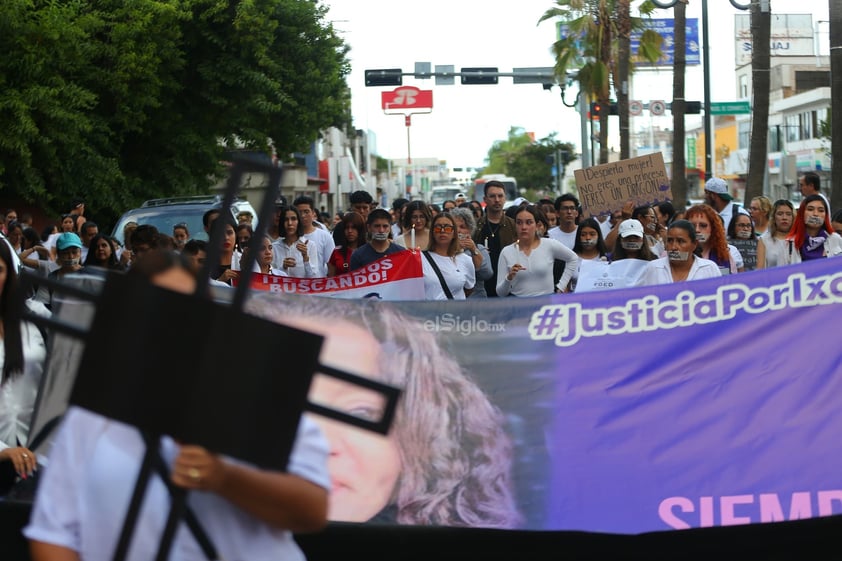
<point x="23" y="460"/>
<point x="197" y="468"/>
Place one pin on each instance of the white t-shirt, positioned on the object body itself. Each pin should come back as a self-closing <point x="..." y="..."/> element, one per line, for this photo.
<point x="458" y="273"/>
<point x="728" y="212"/>
<point x="84" y="493"/>
<point x="567" y="238"/>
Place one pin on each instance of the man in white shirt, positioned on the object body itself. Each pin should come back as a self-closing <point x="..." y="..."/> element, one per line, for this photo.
<point x="567" y="207"/>
<point x="86" y="234"/>
<point x="717" y="196"/>
<point x="319" y="237"/>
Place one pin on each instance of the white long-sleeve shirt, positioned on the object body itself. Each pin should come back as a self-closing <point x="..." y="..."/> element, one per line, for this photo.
<point x="537" y="277"/>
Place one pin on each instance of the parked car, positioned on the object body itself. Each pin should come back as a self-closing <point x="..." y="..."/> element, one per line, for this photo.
<point x="166" y="213"/>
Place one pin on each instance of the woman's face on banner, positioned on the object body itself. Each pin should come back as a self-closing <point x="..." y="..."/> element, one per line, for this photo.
<point x="364" y="466"/>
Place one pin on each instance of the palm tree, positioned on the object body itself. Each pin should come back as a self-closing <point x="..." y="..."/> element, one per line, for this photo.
<point x="589" y="44"/>
<point x="761" y="27"/>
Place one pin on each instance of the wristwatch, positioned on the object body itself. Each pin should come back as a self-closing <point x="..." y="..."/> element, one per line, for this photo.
<point x="476" y="252"/>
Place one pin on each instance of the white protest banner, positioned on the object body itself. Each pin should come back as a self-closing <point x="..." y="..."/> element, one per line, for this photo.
<point x="602" y="275"/>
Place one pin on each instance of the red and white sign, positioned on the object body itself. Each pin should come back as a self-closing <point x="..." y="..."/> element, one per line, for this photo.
<point x="635" y="108"/>
<point x="657" y="107"/>
<point x="397" y="276"/>
<point x="407" y="97"/>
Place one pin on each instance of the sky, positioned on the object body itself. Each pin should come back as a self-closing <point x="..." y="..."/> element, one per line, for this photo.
<point x="467" y="119"/>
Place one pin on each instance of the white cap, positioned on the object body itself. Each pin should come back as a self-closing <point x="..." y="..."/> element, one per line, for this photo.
<point x="717" y="185"/>
<point x="631" y="227"/>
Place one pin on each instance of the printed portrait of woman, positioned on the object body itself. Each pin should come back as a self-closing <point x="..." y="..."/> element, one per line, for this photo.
<point x="446" y="460"/>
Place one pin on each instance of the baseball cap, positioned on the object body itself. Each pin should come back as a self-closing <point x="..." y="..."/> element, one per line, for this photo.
<point x="631" y="227"/>
<point x="281" y="201"/>
<point x="76" y="203"/>
<point x="67" y="240"/>
<point x="519" y="201"/>
<point x="717" y="185"/>
<point x="460" y="195"/>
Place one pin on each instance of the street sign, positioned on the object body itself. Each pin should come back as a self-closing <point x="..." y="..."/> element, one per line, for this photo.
<point x="422" y="70"/>
<point x="666" y="29"/>
<point x="657" y="107"/>
<point x="444" y="75"/>
<point x="407" y="97"/>
<point x="534" y="75"/>
<point x="730" y="107"/>
<point x="635" y="108"/>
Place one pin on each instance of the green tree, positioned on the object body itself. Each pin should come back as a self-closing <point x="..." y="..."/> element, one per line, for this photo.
<point x="589" y="44"/>
<point x="527" y="160"/>
<point x="121" y="101"/>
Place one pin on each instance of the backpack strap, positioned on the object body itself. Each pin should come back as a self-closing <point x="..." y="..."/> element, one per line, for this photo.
<point x="438" y="274"/>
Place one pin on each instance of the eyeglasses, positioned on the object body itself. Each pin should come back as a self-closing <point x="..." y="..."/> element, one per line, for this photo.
<point x="443" y="228"/>
<point x="743" y="225"/>
<point x="568" y="209"/>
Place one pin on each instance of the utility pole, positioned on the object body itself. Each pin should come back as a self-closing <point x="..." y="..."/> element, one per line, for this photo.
<point x="835" y="94"/>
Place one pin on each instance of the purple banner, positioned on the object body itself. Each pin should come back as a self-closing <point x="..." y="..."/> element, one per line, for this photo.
<point x="687" y="405"/>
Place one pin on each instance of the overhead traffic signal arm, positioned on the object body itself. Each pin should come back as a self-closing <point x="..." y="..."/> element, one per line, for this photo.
<point x="445" y="74"/>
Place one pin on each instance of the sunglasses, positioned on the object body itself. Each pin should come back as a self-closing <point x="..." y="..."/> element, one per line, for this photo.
<point x="443" y="228"/>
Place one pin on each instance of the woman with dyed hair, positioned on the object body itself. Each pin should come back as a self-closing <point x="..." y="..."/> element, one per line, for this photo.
<point x="760" y="209"/>
<point x="449" y="273"/>
<point x="713" y="243"/>
<point x="447" y="459"/>
<point x="812" y="236"/>
<point x="772" y="247"/>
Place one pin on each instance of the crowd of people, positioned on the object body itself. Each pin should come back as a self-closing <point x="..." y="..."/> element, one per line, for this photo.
<point x="475" y="251"/>
<point x="468" y="251"/>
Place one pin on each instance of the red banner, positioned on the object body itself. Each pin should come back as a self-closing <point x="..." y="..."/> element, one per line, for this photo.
<point x="397" y="276"/>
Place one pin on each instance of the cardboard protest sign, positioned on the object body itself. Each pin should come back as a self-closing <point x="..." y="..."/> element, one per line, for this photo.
<point x="607" y="187"/>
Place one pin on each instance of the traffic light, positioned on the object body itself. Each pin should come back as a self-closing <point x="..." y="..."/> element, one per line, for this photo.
<point x="384" y="77"/>
<point x="596" y="106"/>
<point x="479" y="75"/>
<point x="692" y="107"/>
